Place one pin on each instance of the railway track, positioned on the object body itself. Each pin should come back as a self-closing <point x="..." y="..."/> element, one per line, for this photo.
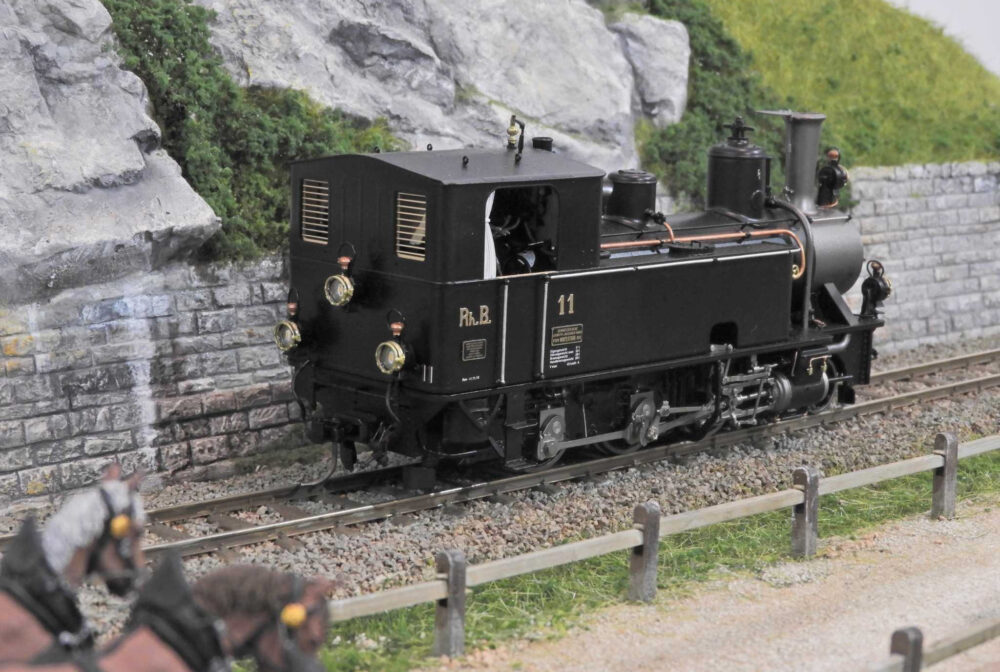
<point x="296" y="521"/>
<point x="937" y="366"/>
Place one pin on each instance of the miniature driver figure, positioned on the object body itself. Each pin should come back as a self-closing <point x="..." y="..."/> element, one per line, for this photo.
<point x="831" y="179"/>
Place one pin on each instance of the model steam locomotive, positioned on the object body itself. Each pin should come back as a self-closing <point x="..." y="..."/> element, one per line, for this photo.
<point x="513" y="304"/>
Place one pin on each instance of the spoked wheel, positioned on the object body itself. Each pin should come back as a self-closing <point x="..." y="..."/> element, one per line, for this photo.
<point x="617" y="447"/>
<point x="702" y="429"/>
<point x="550" y="432"/>
<point x="535" y="467"/>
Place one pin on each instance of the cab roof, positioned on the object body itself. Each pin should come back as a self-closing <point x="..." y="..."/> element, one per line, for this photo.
<point x="488" y="165"/>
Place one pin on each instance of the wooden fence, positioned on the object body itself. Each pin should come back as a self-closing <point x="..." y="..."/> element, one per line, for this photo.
<point x="907" y="647"/>
<point x="454" y="577"/>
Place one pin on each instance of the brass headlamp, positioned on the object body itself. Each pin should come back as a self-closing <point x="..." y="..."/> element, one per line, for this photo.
<point x="391" y="356"/>
<point x="339" y="288"/>
<point x="287" y="335"/>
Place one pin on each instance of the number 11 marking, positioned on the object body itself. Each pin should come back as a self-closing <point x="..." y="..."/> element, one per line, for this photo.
<point x="566" y="302"/>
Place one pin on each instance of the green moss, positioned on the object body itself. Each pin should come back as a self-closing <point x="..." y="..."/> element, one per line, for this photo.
<point x="614" y="11"/>
<point x="233" y="144"/>
<point x="905" y="95"/>
<point x="720" y="86"/>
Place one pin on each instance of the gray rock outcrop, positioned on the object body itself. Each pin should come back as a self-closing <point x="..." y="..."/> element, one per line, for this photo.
<point x="659" y="52"/>
<point x="84" y="192"/>
<point x="451" y="73"/>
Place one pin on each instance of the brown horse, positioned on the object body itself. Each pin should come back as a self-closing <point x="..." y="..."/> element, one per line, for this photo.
<point x="278" y="619"/>
<point x="95" y="533"/>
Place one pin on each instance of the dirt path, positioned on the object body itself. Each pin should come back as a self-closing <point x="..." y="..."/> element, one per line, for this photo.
<point x="832" y="613"/>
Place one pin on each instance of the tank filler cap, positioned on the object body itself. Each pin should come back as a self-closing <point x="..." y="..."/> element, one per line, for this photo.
<point x="542" y="142"/>
<point x="632" y="176"/>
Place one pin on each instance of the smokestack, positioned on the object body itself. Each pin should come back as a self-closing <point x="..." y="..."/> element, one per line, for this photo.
<point x="801" y="154"/>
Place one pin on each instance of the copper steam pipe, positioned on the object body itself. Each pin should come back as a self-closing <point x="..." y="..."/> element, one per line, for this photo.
<point x="656" y="242"/>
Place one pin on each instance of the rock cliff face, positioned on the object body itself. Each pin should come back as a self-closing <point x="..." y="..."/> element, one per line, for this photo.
<point x="84" y="192"/>
<point x="451" y="73"/>
<point x="86" y="195"/>
<point x="660" y="83"/>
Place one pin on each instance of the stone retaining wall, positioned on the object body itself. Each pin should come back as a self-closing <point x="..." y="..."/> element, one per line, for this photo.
<point x="175" y="370"/>
<point x="937" y="229"/>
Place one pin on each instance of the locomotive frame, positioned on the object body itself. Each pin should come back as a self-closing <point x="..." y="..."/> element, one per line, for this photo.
<point x="517" y="307"/>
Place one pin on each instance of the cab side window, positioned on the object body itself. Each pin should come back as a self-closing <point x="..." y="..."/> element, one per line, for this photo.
<point x="523" y="224"/>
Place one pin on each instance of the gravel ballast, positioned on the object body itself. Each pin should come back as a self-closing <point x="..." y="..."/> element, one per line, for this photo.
<point x="400" y="551"/>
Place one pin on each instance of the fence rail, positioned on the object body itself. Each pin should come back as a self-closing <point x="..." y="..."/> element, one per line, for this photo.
<point x="649" y="527"/>
<point x="906" y="647"/>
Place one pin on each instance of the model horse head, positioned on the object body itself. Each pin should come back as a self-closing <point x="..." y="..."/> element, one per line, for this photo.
<point x="98" y="533"/>
<point x="278" y="619"/>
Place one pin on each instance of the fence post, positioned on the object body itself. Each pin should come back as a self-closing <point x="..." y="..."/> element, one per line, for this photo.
<point x="642" y="559"/>
<point x="909" y="643"/>
<point x="943" y="501"/>
<point x="449" y="618"/>
<point x="805" y="525"/>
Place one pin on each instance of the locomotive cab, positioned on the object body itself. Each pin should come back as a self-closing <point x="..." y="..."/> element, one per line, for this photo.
<point x="441" y="238"/>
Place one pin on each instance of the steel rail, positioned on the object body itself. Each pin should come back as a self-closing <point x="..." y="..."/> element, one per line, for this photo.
<point x="413" y="504"/>
<point x="357" y="480"/>
<point x="353" y="481"/>
<point x="937" y="366"/>
<point x="339" y="484"/>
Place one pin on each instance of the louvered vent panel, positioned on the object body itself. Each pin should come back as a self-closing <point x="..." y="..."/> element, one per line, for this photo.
<point x="411" y="226"/>
<point x="315" y="213"/>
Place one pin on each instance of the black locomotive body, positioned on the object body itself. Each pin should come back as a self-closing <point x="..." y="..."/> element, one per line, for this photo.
<point x="505" y="305"/>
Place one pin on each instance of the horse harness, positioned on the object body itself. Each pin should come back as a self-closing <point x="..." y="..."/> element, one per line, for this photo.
<point x="288" y="620"/>
<point x="188" y="630"/>
<point x="176" y="620"/>
<point x="167" y="607"/>
<point x="116" y="531"/>
<point x="196" y="636"/>
<point x="26" y="576"/>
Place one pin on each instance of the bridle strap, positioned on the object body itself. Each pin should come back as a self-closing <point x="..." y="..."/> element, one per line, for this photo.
<point x="286" y="638"/>
<point x="57" y="613"/>
<point x="122" y="546"/>
<point x="27" y="577"/>
<point x="250" y="643"/>
<point x="199" y="647"/>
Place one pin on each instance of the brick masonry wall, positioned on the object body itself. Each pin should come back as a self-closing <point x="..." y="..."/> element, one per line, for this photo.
<point x="172" y="371"/>
<point x="175" y="370"/>
<point x="937" y="229"/>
